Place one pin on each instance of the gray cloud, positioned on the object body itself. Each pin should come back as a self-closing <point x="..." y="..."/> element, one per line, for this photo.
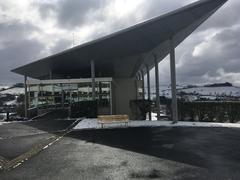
<point x="15" y="48"/>
<point x="221" y="51"/>
<point x="226" y="17"/>
<point x="154" y="8"/>
<point x="45" y="9"/>
<point x="61" y="45"/>
<point x="15" y="30"/>
<point x="74" y="13"/>
<point x="15" y="55"/>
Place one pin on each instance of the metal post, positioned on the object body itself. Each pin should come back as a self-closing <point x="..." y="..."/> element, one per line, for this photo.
<point x="143" y="88"/>
<point x="50" y="74"/>
<point x="149" y="90"/>
<point x="111" y="99"/>
<point x="25" y="97"/>
<point x="139" y="76"/>
<point x="53" y="94"/>
<point x="38" y="92"/>
<point x="137" y="85"/>
<point x="173" y="83"/>
<point x="62" y="99"/>
<point x="100" y="90"/>
<point x="93" y="79"/>
<point x="157" y="86"/>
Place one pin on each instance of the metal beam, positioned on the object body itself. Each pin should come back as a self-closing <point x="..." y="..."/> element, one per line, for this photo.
<point x="68" y="81"/>
<point x="149" y="90"/>
<point x="173" y="83"/>
<point x="25" y="98"/>
<point x="157" y="86"/>
<point x="93" y="79"/>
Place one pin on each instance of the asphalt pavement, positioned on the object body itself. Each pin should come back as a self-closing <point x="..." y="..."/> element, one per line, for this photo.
<point x="124" y="153"/>
<point x="19" y="141"/>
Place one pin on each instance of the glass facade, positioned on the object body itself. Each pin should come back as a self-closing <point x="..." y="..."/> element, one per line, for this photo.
<point x="65" y="94"/>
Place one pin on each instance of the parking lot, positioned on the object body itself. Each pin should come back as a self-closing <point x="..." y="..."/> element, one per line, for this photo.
<point x="48" y="149"/>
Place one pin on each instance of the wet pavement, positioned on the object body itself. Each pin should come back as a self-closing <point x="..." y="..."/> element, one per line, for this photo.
<point x="130" y="153"/>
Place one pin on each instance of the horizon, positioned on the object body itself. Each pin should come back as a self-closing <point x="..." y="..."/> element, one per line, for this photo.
<point x="152" y="86"/>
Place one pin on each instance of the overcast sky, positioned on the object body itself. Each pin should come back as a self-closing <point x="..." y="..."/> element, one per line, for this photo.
<point x="32" y="29"/>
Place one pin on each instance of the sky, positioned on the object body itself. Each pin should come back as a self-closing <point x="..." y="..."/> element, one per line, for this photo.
<point x="33" y="29"/>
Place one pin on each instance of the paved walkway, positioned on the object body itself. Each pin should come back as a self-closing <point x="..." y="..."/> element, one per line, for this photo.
<point x="19" y="141"/>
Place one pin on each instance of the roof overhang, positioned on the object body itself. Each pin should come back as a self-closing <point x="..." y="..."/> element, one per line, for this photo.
<point x="124" y="53"/>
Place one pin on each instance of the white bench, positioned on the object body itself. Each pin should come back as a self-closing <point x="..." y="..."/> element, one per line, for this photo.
<point x="111" y="119"/>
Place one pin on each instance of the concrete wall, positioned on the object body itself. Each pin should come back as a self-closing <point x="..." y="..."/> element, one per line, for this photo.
<point x="124" y="91"/>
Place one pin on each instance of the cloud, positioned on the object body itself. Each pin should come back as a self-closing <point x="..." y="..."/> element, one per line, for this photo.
<point x="154" y="8"/>
<point x="220" y="51"/>
<point x="74" y="13"/>
<point x="61" y="45"/>
<point x="222" y="76"/>
<point x="15" y="31"/>
<point x="46" y="9"/>
<point x="228" y="16"/>
<point x="16" y="54"/>
<point x="46" y="27"/>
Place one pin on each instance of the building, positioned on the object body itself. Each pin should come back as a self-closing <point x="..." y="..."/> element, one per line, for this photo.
<point x="111" y="69"/>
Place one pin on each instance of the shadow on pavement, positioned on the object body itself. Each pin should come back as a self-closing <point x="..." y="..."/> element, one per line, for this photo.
<point x="51" y="122"/>
<point x="159" y="142"/>
<point x="217" y="149"/>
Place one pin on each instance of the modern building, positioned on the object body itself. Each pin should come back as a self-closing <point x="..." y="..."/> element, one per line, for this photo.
<point x="111" y="69"/>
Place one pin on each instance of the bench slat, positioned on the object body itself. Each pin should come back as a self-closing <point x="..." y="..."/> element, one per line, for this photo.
<point x="110" y="119"/>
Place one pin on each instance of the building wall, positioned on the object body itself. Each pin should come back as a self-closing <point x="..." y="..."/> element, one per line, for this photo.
<point x="124" y="91"/>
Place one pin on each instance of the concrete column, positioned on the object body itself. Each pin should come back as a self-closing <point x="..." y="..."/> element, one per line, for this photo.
<point x="173" y="83"/>
<point x="157" y="86"/>
<point x="25" y="97"/>
<point x="93" y="80"/>
<point x="149" y="89"/>
<point x="143" y="86"/>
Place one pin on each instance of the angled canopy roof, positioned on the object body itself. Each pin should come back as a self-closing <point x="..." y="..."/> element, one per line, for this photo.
<point x="124" y="53"/>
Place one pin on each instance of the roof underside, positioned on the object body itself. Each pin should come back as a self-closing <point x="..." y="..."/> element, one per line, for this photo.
<point x="124" y="53"/>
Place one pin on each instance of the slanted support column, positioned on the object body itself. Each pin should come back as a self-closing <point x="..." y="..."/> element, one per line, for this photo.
<point x="149" y="89"/>
<point x="143" y="86"/>
<point x="25" y="98"/>
<point x="173" y="83"/>
<point x="93" y="80"/>
<point x="157" y="86"/>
